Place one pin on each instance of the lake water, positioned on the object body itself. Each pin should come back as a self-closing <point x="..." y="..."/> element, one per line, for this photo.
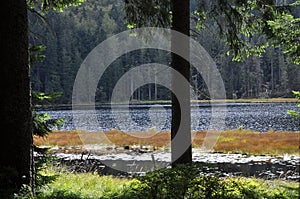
<point x="256" y="116"/>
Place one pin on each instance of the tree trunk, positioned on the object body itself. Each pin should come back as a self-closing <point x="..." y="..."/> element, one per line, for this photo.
<point x="16" y="165"/>
<point x="181" y="113"/>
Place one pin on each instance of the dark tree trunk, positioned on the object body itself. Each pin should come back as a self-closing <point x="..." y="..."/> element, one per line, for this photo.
<point x="181" y="113"/>
<point x="16" y="165"/>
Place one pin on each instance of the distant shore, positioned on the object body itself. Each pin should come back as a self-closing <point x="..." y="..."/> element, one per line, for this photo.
<point x="150" y="102"/>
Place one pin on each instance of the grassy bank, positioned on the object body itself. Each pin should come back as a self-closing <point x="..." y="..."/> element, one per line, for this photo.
<point x="230" y="141"/>
<point x="180" y="182"/>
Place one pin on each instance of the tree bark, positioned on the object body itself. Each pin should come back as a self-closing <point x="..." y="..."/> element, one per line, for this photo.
<point x="181" y="113"/>
<point x="16" y="165"/>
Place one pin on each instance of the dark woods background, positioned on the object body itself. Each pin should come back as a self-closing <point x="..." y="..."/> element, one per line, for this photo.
<point x="70" y="35"/>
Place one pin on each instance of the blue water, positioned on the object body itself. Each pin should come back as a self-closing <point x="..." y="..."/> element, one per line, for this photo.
<point x="255" y="116"/>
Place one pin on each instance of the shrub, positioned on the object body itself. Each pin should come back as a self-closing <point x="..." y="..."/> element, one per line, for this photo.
<point x="187" y="181"/>
<point x="292" y="112"/>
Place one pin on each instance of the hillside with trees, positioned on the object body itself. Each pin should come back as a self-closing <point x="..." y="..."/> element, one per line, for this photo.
<point x="70" y="35"/>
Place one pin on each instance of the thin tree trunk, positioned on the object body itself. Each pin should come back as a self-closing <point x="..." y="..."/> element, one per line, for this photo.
<point x="149" y="92"/>
<point x="272" y="71"/>
<point x="16" y="118"/>
<point x="155" y="86"/>
<point x="181" y="113"/>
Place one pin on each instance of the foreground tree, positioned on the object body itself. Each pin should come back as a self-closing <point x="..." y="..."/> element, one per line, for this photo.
<point x="16" y="147"/>
<point x="157" y="13"/>
<point x="16" y="119"/>
<point x="181" y="23"/>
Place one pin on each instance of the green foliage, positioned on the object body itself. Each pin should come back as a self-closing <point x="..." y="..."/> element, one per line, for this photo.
<point x="256" y="188"/>
<point x="169" y="183"/>
<point x="42" y="122"/>
<point x="186" y="182"/>
<point x="183" y="181"/>
<point x="44" y="175"/>
<point x="41" y="98"/>
<point x="36" y="54"/>
<point x="292" y="112"/>
<point x="42" y="125"/>
<point x="286" y="30"/>
<point x="180" y="182"/>
<point x="57" y="5"/>
<point x="241" y="22"/>
<point x="238" y="22"/>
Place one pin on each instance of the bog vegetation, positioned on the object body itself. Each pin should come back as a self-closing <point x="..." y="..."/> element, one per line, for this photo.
<point x="230" y="141"/>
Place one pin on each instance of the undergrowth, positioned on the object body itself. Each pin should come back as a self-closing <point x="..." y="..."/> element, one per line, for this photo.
<point x="183" y="181"/>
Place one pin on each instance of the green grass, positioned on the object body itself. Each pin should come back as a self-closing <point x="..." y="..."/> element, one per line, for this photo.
<point x="180" y="182"/>
<point x="84" y="185"/>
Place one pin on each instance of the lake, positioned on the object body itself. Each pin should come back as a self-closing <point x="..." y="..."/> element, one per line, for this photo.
<point x="255" y="116"/>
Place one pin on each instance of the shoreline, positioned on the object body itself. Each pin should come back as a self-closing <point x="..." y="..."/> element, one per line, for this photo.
<point x="224" y="165"/>
<point x="137" y="159"/>
<point x="168" y="102"/>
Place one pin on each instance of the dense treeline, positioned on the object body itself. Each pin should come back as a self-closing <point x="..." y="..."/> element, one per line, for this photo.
<point x="69" y="37"/>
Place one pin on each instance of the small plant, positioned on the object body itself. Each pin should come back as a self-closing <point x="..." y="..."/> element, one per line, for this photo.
<point x="182" y="181"/>
<point x="240" y="128"/>
<point x="43" y="124"/>
<point x="292" y="112"/>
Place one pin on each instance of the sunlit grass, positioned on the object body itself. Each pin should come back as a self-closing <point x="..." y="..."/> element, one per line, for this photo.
<point x="92" y="185"/>
<point x="230" y="141"/>
<point x="84" y="185"/>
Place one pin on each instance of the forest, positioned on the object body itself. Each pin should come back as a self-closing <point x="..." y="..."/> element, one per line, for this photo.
<point x="245" y="148"/>
<point x="69" y="36"/>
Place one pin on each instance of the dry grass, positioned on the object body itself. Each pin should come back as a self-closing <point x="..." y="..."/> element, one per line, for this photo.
<point x="230" y="141"/>
<point x="271" y="142"/>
